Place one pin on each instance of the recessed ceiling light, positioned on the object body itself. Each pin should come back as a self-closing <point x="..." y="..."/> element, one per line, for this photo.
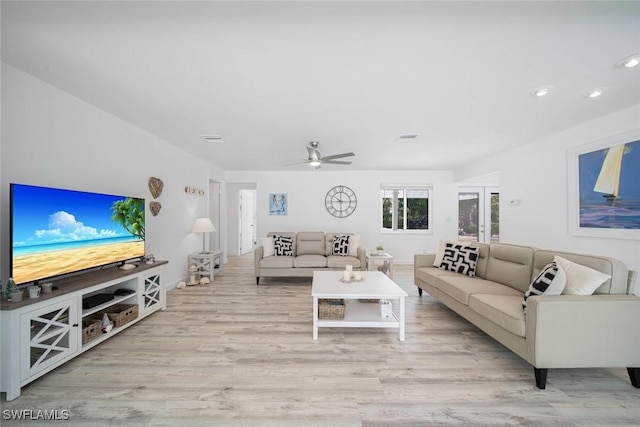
<point x="629" y="61"/>
<point x="595" y="93"/>
<point x="212" y="138"/>
<point x="541" y="92"/>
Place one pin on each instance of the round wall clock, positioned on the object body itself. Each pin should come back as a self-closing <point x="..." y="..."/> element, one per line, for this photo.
<point x="341" y="201"/>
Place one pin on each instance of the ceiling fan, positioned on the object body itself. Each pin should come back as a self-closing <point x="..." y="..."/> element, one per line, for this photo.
<point x="315" y="159"/>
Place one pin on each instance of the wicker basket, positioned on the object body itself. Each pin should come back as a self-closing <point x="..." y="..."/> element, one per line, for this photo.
<point x="91" y="329"/>
<point x="331" y="309"/>
<point x="121" y="314"/>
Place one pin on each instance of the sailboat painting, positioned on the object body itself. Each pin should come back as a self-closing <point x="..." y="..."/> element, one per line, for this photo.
<point x="609" y="186"/>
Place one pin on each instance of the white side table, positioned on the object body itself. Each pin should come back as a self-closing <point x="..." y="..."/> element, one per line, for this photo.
<point x="205" y="262"/>
<point x="373" y="261"/>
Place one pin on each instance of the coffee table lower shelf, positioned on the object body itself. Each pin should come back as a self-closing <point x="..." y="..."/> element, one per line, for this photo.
<point x="361" y="315"/>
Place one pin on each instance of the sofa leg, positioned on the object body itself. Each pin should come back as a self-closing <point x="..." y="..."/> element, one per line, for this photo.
<point x="257" y="280"/>
<point x="541" y="377"/>
<point x="634" y="376"/>
<point x="419" y="291"/>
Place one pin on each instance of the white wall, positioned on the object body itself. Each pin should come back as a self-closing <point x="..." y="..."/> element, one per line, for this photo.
<point x="50" y="138"/>
<point x="537" y="175"/>
<point x="306" y="193"/>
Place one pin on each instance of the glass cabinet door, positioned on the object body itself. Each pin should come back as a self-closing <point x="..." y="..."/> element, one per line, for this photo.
<point x="50" y="334"/>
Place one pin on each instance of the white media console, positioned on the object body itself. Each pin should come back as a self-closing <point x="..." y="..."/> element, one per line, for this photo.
<point x="40" y="334"/>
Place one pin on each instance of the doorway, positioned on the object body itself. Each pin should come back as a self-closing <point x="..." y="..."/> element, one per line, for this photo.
<point x="247" y="221"/>
<point x="479" y="214"/>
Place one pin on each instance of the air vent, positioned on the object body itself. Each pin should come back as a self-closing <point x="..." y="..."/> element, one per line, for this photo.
<point x="212" y="138"/>
<point x="407" y="136"/>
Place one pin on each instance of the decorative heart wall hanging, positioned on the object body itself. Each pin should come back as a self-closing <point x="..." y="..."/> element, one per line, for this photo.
<point x="155" y="207"/>
<point x="155" y="186"/>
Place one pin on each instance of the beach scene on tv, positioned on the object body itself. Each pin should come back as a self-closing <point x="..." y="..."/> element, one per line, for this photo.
<point x="55" y="231"/>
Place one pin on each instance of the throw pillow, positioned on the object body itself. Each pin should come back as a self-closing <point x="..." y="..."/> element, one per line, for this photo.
<point x="550" y="281"/>
<point x="283" y="245"/>
<point x="340" y="245"/>
<point x="441" y="247"/>
<point x="581" y="280"/>
<point x="267" y="247"/>
<point x="354" y="242"/>
<point x="460" y="258"/>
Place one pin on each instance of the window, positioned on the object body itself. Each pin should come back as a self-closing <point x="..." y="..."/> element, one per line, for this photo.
<point x="406" y="208"/>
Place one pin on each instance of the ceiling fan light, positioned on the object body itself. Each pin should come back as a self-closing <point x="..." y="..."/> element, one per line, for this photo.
<point x="314" y="163"/>
<point x="595" y="93"/>
<point x="630" y="61"/>
<point x="541" y="92"/>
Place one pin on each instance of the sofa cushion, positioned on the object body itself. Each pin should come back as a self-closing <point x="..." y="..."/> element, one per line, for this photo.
<point x="340" y="245"/>
<point x="430" y="274"/>
<point x="283" y="245"/>
<point x="267" y="246"/>
<point x="462" y="287"/>
<point x="310" y="243"/>
<point x="319" y="261"/>
<point x="510" y="265"/>
<point x="334" y="261"/>
<point x="581" y="280"/>
<point x="503" y="310"/>
<point x="460" y="258"/>
<point x="354" y="242"/>
<point x="551" y="281"/>
<point x="277" y="262"/>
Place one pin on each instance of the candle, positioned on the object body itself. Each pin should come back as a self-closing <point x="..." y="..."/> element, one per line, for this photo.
<point x="346" y="276"/>
<point x="349" y="268"/>
<point x="357" y="276"/>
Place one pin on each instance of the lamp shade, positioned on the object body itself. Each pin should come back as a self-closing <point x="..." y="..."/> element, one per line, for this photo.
<point x="203" y="225"/>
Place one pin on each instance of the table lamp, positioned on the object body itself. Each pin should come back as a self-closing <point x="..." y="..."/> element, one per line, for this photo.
<point x="203" y="225"/>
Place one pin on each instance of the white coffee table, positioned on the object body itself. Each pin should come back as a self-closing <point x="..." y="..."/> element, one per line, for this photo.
<point x="376" y="285"/>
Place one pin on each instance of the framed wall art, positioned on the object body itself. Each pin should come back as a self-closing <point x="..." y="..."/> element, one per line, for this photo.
<point x="278" y="203"/>
<point x="604" y="188"/>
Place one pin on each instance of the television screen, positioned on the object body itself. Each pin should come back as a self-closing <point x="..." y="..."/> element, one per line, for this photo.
<point x="56" y="232"/>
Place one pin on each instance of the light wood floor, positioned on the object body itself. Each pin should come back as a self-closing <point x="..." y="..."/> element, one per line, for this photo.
<point x="233" y="353"/>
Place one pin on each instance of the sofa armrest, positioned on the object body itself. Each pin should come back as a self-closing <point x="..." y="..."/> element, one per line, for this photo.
<point x="257" y="256"/>
<point x="631" y="283"/>
<point x="571" y="331"/>
<point x="423" y="260"/>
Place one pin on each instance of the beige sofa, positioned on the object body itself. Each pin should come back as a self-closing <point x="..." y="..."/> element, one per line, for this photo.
<point x="563" y="331"/>
<point x="312" y="250"/>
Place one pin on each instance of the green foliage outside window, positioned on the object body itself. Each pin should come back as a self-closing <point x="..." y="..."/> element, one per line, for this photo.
<point x="411" y="209"/>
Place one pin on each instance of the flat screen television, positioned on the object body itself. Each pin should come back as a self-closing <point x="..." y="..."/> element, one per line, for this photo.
<point x="56" y="232"/>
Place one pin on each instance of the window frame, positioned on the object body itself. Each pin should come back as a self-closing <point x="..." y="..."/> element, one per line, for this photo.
<point x="404" y="187"/>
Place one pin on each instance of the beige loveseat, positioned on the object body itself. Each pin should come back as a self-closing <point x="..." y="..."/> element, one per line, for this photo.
<point x="563" y="331"/>
<point x="310" y="251"/>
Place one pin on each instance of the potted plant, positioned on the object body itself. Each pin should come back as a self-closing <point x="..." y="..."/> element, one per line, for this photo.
<point x="379" y="250"/>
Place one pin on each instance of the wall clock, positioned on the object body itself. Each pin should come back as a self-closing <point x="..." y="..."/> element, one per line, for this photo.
<point x="340" y="201"/>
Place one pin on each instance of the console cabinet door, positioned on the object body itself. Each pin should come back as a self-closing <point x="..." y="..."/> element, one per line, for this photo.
<point x="49" y="335"/>
<point x="152" y="295"/>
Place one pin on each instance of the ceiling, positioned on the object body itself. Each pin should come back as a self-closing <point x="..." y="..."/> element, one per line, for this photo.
<point x="269" y="77"/>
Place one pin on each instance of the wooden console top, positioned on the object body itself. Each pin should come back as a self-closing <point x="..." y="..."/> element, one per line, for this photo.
<point x="80" y="281"/>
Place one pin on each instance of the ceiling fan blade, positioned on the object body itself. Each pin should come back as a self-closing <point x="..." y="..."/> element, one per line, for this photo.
<point x="334" y="162"/>
<point x="337" y="156"/>
<point x="296" y="163"/>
